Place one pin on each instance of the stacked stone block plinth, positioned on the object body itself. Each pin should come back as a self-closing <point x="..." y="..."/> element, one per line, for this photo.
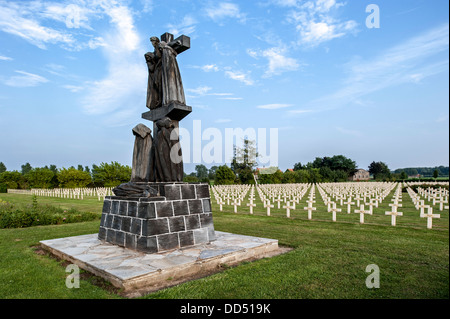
<point x="179" y="217"/>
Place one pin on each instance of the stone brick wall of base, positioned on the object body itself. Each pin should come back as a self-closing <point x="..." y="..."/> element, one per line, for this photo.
<point x="155" y="224"/>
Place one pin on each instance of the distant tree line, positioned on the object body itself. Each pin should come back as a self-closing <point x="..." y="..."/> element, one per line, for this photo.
<point x="424" y="171"/>
<point x="242" y="170"/>
<point x="103" y="175"/>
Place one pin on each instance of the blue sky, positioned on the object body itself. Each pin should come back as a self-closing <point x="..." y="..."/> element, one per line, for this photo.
<point x="73" y="77"/>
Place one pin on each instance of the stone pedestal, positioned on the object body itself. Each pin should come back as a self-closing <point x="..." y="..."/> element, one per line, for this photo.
<point x="179" y="217"/>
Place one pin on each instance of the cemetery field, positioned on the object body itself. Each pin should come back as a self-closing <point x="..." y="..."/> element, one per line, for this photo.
<point x="328" y="259"/>
<point x="88" y="204"/>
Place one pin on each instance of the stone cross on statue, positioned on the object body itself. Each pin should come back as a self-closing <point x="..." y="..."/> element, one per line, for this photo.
<point x="165" y="94"/>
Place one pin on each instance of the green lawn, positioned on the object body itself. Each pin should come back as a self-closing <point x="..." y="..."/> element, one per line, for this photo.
<point x="328" y="259"/>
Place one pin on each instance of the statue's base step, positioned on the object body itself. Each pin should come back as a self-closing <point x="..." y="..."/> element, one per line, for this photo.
<point x="137" y="273"/>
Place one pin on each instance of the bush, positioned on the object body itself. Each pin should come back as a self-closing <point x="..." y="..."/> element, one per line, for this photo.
<point x="36" y="215"/>
<point x="40" y="178"/>
<point x="111" y="175"/>
<point x="72" y="178"/>
<point x="13" y="180"/>
<point x="190" y="179"/>
<point x="224" y="176"/>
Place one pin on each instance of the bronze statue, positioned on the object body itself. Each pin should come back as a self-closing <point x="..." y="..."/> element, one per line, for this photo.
<point x="164" y="79"/>
<point x="159" y="159"/>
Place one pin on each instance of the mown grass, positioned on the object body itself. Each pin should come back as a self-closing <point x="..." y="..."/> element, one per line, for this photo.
<point x="25" y="274"/>
<point x="328" y="259"/>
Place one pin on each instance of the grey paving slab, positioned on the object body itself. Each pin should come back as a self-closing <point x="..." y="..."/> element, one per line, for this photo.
<point x="127" y="268"/>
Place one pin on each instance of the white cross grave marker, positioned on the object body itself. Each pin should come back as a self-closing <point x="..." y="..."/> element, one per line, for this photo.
<point x="349" y="203"/>
<point x="309" y="209"/>
<point x="361" y="213"/>
<point x="394" y="214"/>
<point x="288" y="208"/>
<point x="429" y="216"/>
<point x="334" y="210"/>
<point x="268" y="206"/>
<point x="251" y="205"/>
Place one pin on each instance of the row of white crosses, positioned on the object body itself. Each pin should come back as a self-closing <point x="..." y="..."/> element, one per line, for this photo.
<point x="349" y="194"/>
<point x="288" y="194"/>
<point x="420" y="205"/>
<point x="370" y="194"/>
<point x="331" y="206"/>
<point x="310" y="202"/>
<point x="74" y="193"/>
<point x="251" y="198"/>
<point x="346" y="195"/>
<point x="233" y="194"/>
<point x="436" y="195"/>
<point x="397" y="198"/>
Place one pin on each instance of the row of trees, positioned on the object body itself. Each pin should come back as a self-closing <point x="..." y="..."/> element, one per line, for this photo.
<point x="337" y="168"/>
<point x="424" y="171"/>
<point x="240" y="171"/>
<point x="103" y="175"/>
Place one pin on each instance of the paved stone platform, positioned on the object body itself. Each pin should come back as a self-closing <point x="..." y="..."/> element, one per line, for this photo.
<point x="137" y="273"/>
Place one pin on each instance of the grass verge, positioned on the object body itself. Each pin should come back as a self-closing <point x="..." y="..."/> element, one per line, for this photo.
<point x="328" y="260"/>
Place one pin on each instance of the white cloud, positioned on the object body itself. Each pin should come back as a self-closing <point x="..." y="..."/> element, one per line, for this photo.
<point x="315" y="23"/>
<point x="285" y="3"/>
<point x="34" y="21"/>
<point x="201" y="90"/>
<point x="73" y="88"/>
<point x="72" y="15"/>
<point x="253" y="53"/>
<point x="186" y="26"/>
<point x="317" y="32"/>
<point x="221" y="94"/>
<point x="240" y="76"/>
<point x="25" y="79"/>
<point x="210" y="67"/>
<point x="5" y="58"/>
<point x="147" y="6"/>
<point x="224" y="10"/>
<point x="12" y="21"/>
<point x="55" y="69"/>
<point x="120" y="94"/>
<point x="205" y="91"/>
<point x="405" y="63"/>
<point x="231" y="98"/>
<point x="278" y="62"/>
<point x="206" y="67"/>
<point x="43" y="22"/>
<point x="274" y="106"/>
<point x="125" y="38"/>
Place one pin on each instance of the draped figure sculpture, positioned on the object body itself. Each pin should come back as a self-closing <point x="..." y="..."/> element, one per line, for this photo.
<point x="164" y="79"/>
<point x="167" y="154"/>
<point x="142" y="168"/>
<point x="158" y="159"/>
